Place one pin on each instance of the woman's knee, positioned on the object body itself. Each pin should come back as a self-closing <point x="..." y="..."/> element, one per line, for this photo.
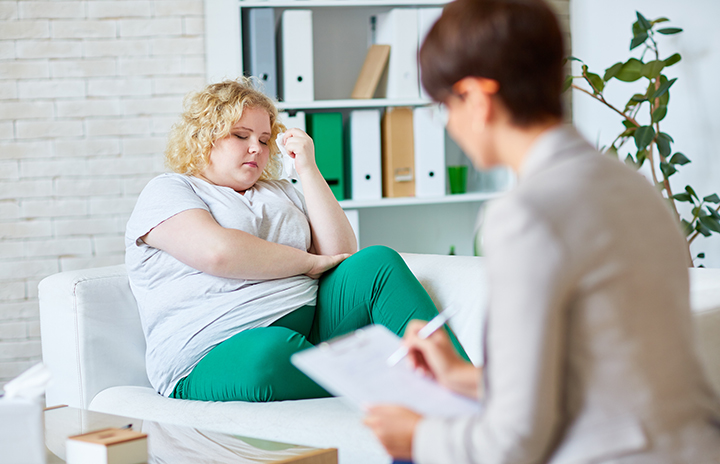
<point x="377" y="254"/>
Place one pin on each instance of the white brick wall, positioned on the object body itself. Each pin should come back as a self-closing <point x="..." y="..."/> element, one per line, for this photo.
<point x="88" y="90"/>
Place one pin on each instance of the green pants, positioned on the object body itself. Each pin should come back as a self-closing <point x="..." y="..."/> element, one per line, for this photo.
<point x="373" y="286"/>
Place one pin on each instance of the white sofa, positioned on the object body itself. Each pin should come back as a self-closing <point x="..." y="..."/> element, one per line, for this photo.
<point x="93" y="344"/>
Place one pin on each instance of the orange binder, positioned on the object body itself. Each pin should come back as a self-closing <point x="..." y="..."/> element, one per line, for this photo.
<point x="398" y="153"/>
<point x="375" y="62"/>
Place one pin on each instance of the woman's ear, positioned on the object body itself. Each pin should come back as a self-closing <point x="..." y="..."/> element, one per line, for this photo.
<point x="478" y="93"/>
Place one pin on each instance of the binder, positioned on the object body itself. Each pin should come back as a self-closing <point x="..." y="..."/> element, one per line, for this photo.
<point x="364" y="151"/>
<point x="399" y="29"/>
<point x="398" y="160"/>
<point x="426" y="19"/>
<point x="296" y="120"/>
<point x="296" y="60"/>
<point x="371" y="72"/>
<point x="293" y="121"/>
<point x="429" y="141"/>
<point x="259" y="47"/>
<point x="326" y="129"/>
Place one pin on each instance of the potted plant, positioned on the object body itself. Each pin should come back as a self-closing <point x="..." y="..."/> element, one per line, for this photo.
<point x="640" y="139"/>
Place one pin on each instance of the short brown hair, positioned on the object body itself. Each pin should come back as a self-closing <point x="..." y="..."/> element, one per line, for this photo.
<point x="518" y="43"/>
<point x="209" y="115"/>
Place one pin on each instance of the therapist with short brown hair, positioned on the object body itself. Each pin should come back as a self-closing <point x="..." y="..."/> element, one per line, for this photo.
<point x="589" y="350"/>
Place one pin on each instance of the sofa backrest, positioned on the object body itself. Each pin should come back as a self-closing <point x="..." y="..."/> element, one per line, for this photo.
<point x="91" y="334"/>
<point x="92" y="338"/>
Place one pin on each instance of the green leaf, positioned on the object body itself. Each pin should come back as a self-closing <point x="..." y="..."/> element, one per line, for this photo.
<point x="638" y="98"/>
<point x="670" y="30"/>
<point x="712" y="212"/>
<point x="612" y="71"/>
<point x="667" y="169"/>
<point x="595" y="82"/>
<point x="567" y="83"/>
<point x="664" y="87"/>
<point x="630" y="71"/>
<point x="702" y="229"/>
<point x="643" y="136"/>
<point x="659" y="20"/>
<point x="714" y="198"/>
<point x="700" y="256"/>
<point x="679" y="158"/>
<point x="711" y="223"/>
<point x="628" y="132"/>
<point x="663" y="143"/>
<point x="659" y="114"/>
<point x="641" y="156"/>
<point x="638" y="40"/>
<point x="682" y="197"/>
<point x="699" y="212"/>
<point x="572" y="58"/>
<point x="672" y="59"/>
<point x="630" y="161"/>
<point x="629" y="124"/>
<point x="652" y="69"/>
<point x="644" y="23"/>
<point x="690" y="190"/>
<point x="687" y="227"/>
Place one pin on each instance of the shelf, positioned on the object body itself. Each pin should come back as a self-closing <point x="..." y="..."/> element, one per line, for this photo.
<point x="410" y="201"/>
<point x="350" y="103"/>
<point x="337" y="3"/>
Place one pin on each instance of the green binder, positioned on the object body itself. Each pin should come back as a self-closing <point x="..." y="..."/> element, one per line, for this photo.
<point x="326" y="129"/>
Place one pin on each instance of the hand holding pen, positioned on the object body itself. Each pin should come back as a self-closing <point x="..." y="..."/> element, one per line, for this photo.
<point x="427" y="330"/>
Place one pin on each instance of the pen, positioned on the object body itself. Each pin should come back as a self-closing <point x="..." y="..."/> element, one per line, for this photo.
<point x="429" y="329"/>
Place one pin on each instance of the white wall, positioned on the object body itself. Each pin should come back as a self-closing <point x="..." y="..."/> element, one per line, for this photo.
<point x="601" y="34"/>
<point x="88" y="90"/>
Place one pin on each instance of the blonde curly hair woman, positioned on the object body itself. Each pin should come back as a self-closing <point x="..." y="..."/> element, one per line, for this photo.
<point x="234" y="270"/>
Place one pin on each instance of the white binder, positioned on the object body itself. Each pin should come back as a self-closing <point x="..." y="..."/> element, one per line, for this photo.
<point x="365" y="154"/>
<point x="399" y="29"/>
<point x="429" y="140"/>
<point x="426" y="18"/>
<point x="296" y="121"/>
<point x="296" y="30"/>
<point x="259" y="47"/>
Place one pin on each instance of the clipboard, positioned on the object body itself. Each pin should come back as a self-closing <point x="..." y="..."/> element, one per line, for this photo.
<point x="355" y="367"/>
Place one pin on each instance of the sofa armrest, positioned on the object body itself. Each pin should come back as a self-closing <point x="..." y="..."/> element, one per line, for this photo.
<point x="91" y="334"/>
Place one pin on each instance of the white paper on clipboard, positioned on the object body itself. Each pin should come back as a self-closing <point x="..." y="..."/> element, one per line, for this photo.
<point x="355" y="367"/>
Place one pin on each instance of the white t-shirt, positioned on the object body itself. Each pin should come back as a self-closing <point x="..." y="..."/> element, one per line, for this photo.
<point x="186" y="312"/>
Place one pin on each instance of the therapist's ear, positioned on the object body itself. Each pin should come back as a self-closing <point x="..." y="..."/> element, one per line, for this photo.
<point x="479" y="94"/>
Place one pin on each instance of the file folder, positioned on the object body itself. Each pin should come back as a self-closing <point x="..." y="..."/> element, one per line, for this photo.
<point x="259" y="58"/>
<point x="398" y="155"/>
<point x="399" y="29"/>
<point x="326" y="129"/>
<point x="364" y="151"/>
<point x="296" y="31"/>
<point x="426" y="19"/>
<point x="371" y="72"/>
<point x="296" y="120"/>
<point x="429" y="141"/>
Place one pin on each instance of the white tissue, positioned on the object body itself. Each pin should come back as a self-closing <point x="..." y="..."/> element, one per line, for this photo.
<point x="30" y="384"/>
<point x="289" y="171"/>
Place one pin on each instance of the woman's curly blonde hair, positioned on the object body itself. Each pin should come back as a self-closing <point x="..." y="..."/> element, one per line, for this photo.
<point x="209" y="115"/>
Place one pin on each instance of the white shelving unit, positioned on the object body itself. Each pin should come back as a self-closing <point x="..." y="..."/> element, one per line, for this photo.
<point x="419" y="225"/>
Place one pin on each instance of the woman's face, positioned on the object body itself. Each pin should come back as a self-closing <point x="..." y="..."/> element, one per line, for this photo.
<point x="238" y="160"/>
